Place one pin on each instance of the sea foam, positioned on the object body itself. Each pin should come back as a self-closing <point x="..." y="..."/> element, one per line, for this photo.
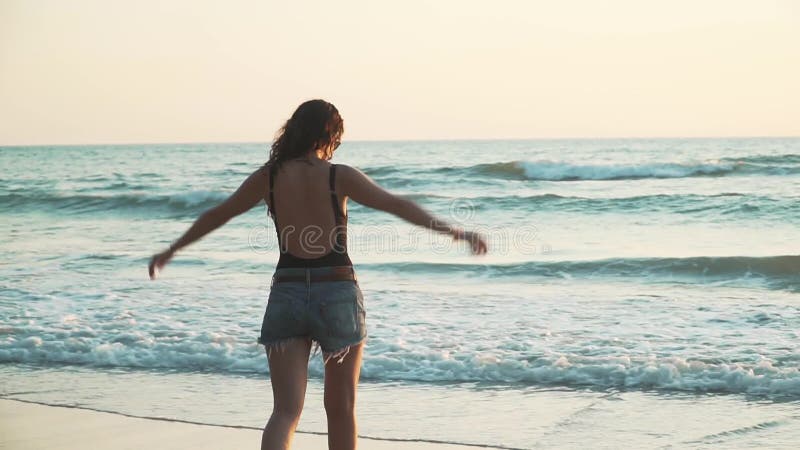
<point x="214" y="352"/>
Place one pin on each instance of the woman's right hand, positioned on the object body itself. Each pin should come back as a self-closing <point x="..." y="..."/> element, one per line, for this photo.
<point x="476" y="241"/>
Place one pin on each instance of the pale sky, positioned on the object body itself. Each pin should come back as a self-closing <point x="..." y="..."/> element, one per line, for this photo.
<point x="112" y="71"/>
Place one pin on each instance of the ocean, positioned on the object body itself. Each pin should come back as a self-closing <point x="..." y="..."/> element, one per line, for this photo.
<point x="640" y="293"/>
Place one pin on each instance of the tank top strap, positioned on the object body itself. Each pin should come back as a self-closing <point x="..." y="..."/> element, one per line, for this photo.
<point x="271" y="205"/>
<point x="337" y="209"/>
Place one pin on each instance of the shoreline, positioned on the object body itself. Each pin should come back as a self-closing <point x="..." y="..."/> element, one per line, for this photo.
<point x="32" y="425"/>
<point x="84" y="404"/>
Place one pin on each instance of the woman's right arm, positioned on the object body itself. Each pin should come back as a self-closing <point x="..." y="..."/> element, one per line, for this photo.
<point x="361" y="188"/>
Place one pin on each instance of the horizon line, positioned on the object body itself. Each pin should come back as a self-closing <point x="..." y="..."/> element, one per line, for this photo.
<point x="396" y="140"/>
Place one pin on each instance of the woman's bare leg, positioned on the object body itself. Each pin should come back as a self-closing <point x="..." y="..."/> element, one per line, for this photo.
<point x="341" y="382"/>
<point x="288" y="369"/>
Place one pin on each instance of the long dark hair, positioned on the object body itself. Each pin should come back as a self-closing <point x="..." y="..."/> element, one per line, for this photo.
<point x="315" y="124"/>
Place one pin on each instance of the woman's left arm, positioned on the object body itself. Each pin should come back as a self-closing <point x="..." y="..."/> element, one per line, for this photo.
<point x="248" y="195"/>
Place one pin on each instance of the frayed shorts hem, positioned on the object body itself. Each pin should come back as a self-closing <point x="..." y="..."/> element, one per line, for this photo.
<point x="338" y="354"/>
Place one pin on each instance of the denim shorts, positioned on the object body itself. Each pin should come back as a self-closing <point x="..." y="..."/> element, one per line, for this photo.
<point x="330" y="313"/>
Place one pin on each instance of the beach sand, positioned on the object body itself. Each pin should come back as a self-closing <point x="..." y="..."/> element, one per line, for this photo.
<point x="31" y="426"/>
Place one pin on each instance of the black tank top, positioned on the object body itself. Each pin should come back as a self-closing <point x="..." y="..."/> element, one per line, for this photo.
<point x="337" y="256"/>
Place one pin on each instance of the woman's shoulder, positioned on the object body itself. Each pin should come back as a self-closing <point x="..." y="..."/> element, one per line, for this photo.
<point x="265" y="168"/>
<point x="346" y="170"/>
<point x="342" y="170"/>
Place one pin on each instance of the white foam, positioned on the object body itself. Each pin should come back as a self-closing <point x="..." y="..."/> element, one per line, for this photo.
<point x="223" y="353"/>
<point x="555" y="171"/>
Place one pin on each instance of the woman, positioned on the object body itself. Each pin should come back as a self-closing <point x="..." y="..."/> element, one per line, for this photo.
<point x="314" y="295"/>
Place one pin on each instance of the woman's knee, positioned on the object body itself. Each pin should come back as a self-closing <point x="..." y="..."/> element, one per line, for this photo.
<point x="287" y="411"/>
<point x="340" y="406"/>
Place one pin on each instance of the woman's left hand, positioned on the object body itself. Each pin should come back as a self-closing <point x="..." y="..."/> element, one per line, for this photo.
<point x="157" y="262"/>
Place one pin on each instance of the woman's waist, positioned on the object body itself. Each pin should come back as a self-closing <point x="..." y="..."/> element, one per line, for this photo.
<point x="314" y="274"/>
<point x="333" y="258"/>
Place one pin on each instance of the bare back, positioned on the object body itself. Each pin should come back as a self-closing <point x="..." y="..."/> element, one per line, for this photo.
<point x="309" y="214"/>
